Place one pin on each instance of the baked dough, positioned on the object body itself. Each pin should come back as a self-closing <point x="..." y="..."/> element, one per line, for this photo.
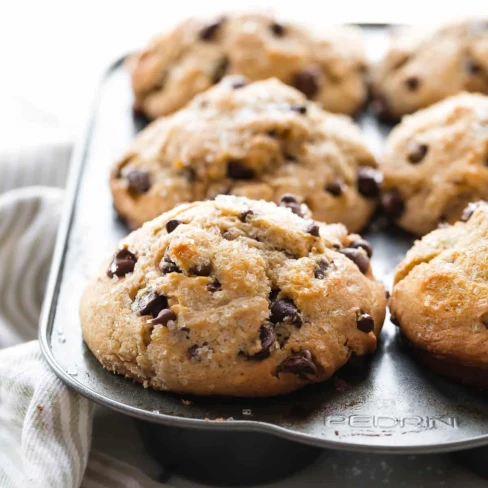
<point x="233" y="297"/>
<point x="327" y="65"/>
<point x="436" y="162"/>
<point x="440" y="298"/>
<point x="259" y="140"/>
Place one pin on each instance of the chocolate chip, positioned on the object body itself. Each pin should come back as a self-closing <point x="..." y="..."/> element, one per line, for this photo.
<point x="295" y="208"/>
<point x="273" y="294"/>
<point x="289" y="254"/>
<point x="361" y="243"/>
<point x="357" y="257"/>
<point x="172" y="224"/>
<point x="190" y="175"/>
<point x="167" y="266"/>
<point x="288" y="198"/>
<point x="289" y="157"/>
<point x="300" y="363"/>
<point x="138" y="180"/>
<point x="209" y="31"/>
<point x="307" y="81"/>
<point x="469" y="211"/>
<point x="289" y="201"/>
<point x="272" y="133"/>
<point x="393" y="204"/>
<point x="277" y="29"/>
<point x="124" y="262"/>
<point x="381" y="107"/>
<point x="151" y="304"/>
<point x="314" y="230"/>
<point x="364" y="322"/>
<point x="369" y="180"/>
<point x="245" y="215"/>
<point x="284" y="310"/>
<point x="412" y="83"/>
<point x="166" y="315"/>
<point x="473" y="68"/>
<point x="416" y="151"/>
<point x="214" y="286"/>
<point x="196" y="351"/>
<point x="321" y="269"/>
<point x="201" y="269"/>
<point x="220" y="69"/>
<point x="387" y="294"/>
<point x="236" y="170"/>
<point x="267" y="336"/>
<point x="335" y="188"/>
<point x="301" y="109"/>
<point x="193" y="351"/>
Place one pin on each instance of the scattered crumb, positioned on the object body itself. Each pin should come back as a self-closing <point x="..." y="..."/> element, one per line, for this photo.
<point x="246" y="411"/>
<point x="40" y="408"/>
<point x="186" y="402"/>
<point x="336" y="432"/>
<point x="356" y="471"/>
<point x="367" y="434"/>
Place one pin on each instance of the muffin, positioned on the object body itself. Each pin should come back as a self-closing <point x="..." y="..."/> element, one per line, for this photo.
<point x="259" y="140"/>
<point x="327" y="66"/>
<point x="436" y="162"/>
<point x="440" y="298"/>
<point x="424" y="66"/>
<point x="233" y="297"/>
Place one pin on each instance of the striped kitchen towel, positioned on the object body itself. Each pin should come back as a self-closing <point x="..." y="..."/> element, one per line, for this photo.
<point x="45" y="428"/>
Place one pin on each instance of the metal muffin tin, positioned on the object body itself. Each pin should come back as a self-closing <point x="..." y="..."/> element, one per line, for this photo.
<point x="392" y="406"/>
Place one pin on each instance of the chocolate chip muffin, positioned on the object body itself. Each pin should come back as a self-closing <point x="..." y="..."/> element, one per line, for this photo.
<point x="260" y="140"/>
<point x="424" y="66"/>
<point x="233" y="297"/>
<point x="327" y="66"/>
<point x="436" y="162"/>
<point x="440" y="298"/>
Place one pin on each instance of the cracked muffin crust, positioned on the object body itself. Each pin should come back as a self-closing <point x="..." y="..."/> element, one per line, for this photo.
<point x="440" y="298"/>
<point x="328" y="66"/>
<point x="260" y="140"/>
<point x="436" y="162"/>
<point x="233" y="297"/>
<point x="423" y="66"/>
